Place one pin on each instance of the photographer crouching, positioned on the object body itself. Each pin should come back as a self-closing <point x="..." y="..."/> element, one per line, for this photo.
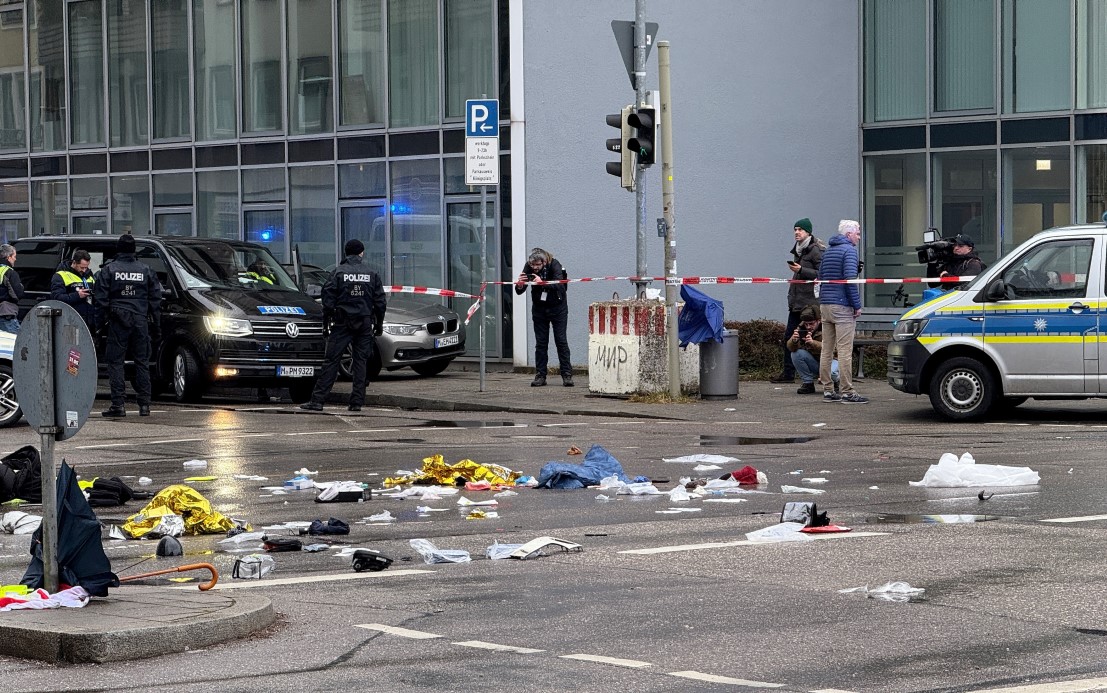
<point x="806" y="346"/>
<point x="963" y="263"/>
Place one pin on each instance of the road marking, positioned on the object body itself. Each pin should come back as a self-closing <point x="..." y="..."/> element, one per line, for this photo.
<point x="396" y="630"/>
<point x="712" y="678"/>
<point x="498" y="648"/>
<point x="831" y="690"/>
<point x="561" y="425"/>
<point x="977" y="497"/>
<point x="1085" y="518"/>
<point x="744" y="542"/>
<point x="312" y="433"/>
<point x="630" y="663"/>
<point x="1097" y="684"/>
<point x="375" y="430"/>
<point x="105" y="445"/>
<point x="176" y="440"/>
<point x="247" y="584"/>
<point x="255" y="435"/>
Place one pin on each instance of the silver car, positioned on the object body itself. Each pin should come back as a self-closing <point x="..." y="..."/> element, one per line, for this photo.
<point x="419" y="332"/>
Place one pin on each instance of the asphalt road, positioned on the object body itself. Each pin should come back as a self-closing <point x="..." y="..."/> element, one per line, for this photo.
<point x="1009" y="602"/>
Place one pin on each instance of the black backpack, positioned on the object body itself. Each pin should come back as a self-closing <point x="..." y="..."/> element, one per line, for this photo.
<point x="21" y="475"/>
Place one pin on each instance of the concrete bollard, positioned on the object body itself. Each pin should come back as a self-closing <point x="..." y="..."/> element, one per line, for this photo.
<point x="627" y="350"/>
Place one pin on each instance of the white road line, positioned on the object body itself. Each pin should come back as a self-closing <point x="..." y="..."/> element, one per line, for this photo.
<point x="498" y="648"/>
<point x="312" y="433"/>
<point x="744" y="542"/>
<point x="712" y="678"/>
<point x="256" y="435"/>
<point x="561" y="425"/>
<point x="831" y="690"/>
<point x="396" y="630"/>
<point x="247" y="584"/>
<point x="105" y="445"/>
<point x="175" y="440"/>
<point x="977" y="497"/>
<point x="195" y="410"/>
<point x="1097" y="684"/>
<point x="1085" y="518"/>
<point x="374" y="430"/>
<point x="630" y="663"/>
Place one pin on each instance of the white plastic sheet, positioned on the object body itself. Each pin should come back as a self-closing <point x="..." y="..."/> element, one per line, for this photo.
<point x="784" y="531"/>
<point x="19" y="522"/>
<point x="951" y="472"/>
<point x="432" y="554"/>
<point x="801" y="489"/>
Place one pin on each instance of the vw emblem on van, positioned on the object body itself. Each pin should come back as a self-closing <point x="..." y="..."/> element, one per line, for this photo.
<point x="292" y="330"/>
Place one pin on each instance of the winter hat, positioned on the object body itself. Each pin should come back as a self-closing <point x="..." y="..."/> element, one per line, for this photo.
<point x="804" y="224"/>
<point x="125" y="244"/>
<point x="354" y="247"/>
<point x="962" y="239"/>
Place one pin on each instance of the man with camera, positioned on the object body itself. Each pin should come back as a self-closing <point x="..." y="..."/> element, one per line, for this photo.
<point x="963" y="263"/>
<point x="548" y="309"/>
<point x="806" y="347"/>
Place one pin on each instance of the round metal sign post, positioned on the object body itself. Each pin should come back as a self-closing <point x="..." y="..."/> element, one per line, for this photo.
<point x="54" y="368"/>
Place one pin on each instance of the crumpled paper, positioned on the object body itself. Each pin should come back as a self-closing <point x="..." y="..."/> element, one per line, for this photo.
<point x="435" y="470"/>
<point x="182" y="500"/>
<point x="951" y="472"/>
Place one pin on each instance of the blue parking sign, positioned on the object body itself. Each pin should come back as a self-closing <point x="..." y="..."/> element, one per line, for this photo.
<point x="482" y="118"/>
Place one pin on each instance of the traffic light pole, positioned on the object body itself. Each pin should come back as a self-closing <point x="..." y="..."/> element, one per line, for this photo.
<point x="640" y="188"/>
<point x="668" y="202"/>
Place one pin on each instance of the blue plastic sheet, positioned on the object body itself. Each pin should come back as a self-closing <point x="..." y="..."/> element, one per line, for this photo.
<point x="597" y="464"/>
<point x="701" y="319"/>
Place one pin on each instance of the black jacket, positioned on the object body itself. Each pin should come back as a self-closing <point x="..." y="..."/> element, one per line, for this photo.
<point x="802" y="295"/>
<point x="11" y="290"/>
<point x="126" y="285"/>
<point x="965" y="265"/>
<point x="546" y="297"/>
<point x="354" y="291"/>
<point x="64" y="285"/>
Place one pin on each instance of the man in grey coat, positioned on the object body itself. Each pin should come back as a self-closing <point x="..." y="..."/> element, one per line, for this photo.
<point x="807" y="255"/>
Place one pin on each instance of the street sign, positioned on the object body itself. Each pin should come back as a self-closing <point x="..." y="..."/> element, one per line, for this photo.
<point x="482" y="142"/>
<point x="624" y="37"/>
<point x="70" y="352"/>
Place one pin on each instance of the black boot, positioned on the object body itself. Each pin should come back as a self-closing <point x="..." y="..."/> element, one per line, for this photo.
<point x="539" y="380"/>
<point x="114" y="412"/>
<point x="144" y="410"/>
<point x="567" y="379"/>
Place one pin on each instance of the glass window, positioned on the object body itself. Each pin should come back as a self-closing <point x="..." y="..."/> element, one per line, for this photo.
<point x="895" y="59"/>
<point x="362" y="180"/>
<point x="266" y="227"/>
<point x="463" y="233"/>
<point x="454" y="168"/>
<point x="360" y="62"/>
<point x="173" y="224"/>
<point x="86" y="72"/>
<point x="470" y="53"/>
<point x="46" y="50"/>
<point x="369" y="224"/>
<point x="13" y="109"/>
<point x="130" y="204"/>
<point x="1091" y="196"/>
<point x="217" y="204"/>
<point x="169" y="63"/>
<point x="895" y="220"/>
<point x="965" y="198"/>
<point x="172" y="189"/>
<point x="1051" y="270"/>
<point x="13" y="228"/>
<point x="1091" y="54"/>
<point x="416" y="223"/>
<point x="127" y="72"/>
<point x="1036" y="192"/>
<point x="413" y="62"/>
<point x="964" y="55"/>
<point x="13" y="197"/>
<point x="309" y="67"/>
<point x="261" y="66"/>
<point x="213" y="34"/>
<point x="263" y="185"/>
<point x="312" y="213"/>
<point x="1037" y="56"/>
<point x="50" y="211"/>
<point x="89" y="193"/>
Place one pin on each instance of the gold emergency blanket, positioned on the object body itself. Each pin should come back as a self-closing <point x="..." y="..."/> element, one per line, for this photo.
<point x="436" y="471"/>
<point x="182" y="500"/>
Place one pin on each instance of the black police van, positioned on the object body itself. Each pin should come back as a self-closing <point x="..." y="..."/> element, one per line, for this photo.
<point x="230" y="314"/>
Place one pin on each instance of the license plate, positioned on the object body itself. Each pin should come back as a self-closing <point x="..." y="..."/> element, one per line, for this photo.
<point x="295" y="371"/>
<point x="445" y="341"/>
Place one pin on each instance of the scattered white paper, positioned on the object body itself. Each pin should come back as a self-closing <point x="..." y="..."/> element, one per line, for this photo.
<point x="303" y="471"/>
<point x="818" y="425"/>
<point x="701" y="458"/>
<point x="506" y="493"/>
<point x="602" y="497"/>
<point x="196" y="464"/>
<point x="465" y="501"/>
<point x="800" y="489"/>
<point x="951" y="472"/>
<point x="730" y="409"/>
<point x="250" y="477"/>
<point x="874" y="488"/>
<point x="705" y="467"/>
<point x="784" y="531"/>
<point x="145" y="481"/>
<point x="813" y="480"/>
<point x="796" y="472"/>
<point x="381" y="517"/>
<point x="428" y="509"/>
<point x="679" y="510"/>
<point x="725" y="500"/>
<point x="243" y="537"/>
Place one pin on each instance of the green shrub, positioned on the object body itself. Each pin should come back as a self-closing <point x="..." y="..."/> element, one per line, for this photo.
<point x="760" y="356"/>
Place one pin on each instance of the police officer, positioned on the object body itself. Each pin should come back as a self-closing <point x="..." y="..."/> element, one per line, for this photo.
<point x="354" y="298"/>
<point x="11" y="290"/>
<point x="73" y="284"/>
<point x="128" y="294"/>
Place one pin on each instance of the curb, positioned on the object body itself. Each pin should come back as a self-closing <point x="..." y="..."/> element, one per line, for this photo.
<point x="112" y="629"/>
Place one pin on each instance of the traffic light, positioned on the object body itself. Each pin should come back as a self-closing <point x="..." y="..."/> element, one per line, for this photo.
<point x="624" y="168"/>
<point x="644" y="122"/>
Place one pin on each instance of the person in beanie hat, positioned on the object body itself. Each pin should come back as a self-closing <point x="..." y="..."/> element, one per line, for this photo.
<point x="807" y="255"/>
<point x="965" y="262"/>
<point x="127" y="299"/>
<point x="806" y="347"/>
<point x="353" y="298"/>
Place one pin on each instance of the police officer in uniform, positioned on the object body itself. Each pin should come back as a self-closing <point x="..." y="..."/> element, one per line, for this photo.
<point x="11" y="290"/>
<point x="127" y="295"/>
<point x="354" y="299"/>
<point x="73" y="284"/>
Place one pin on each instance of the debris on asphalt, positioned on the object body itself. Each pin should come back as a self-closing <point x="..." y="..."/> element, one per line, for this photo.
<point x="673" y="511"/>
<point x="145" y="481"/>
<point x="954" y="472"/>
<point x="507" y="493"/>
<point x="184" y="502"/>
<point x="478" y="486"/>
<point x="255" y="566"/>
<point x="281" y="544"/>
<point x="250" y="477"/>
<point x="341" y="492"/>
<point x="465" y="501"/>
<point x="597" y="464"/>
<point x="18" y="522"/>
<point x="243" y="537"/>
<point x="436" y="471"/>
<point x="423" y="509"/>
<point x="719" y="486"/>
<point x="983" y="497"/>
<point x="115" y="533"/>
<point x="332" y="526"/>
<point x="191" y="479"/>
<point x="299" y="483"/>
<point x="805" y="513"/>
<point x="479" y="515"/>
<point x="784" y="531"/>
<point x="725" y="500"/>
<point x="623" y="488"/>
<point x="800" y="489"/>
<point x="169" y="547"/>
<point x="73" y="598"/>
<point x="315" y="548"/>
<point x="703" y="458"/>
<point x="603" y="497"/>
<point x="432" y="554"/>
<point x="369" y="559"/>
<point x="813" y="480"/>
<point x="21" y="476"/>
<point x="535" y="548"/>
<point x="422" y="493"/>
<point x="196" y="464"/>
<point x="380" y="517"/>
<point x="304" y="471"/>
<point x="106" y="493"/>
<point x="874" y="488"/>
<point x="747" y="476"/>
<point x="705" y="467"/>
<point x="498" y="551"/>
<point x="890" y="592"/>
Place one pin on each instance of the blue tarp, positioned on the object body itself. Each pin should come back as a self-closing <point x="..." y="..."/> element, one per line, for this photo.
<point x="597" y="464"/>
<point x="701" y="319"/>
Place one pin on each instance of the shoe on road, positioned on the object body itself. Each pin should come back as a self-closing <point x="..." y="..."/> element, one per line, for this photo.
<point x="854" y="398"/>
<point x="831" y="397"/>
<point x="567" y="380"/>
<point x="354" y="407"/>
<point x="806" y="389"/>
<point x="144" y="410"/>
<point x="311" y="406"/>
<point x="539" y="381"/>
<point x="114" y="413"/>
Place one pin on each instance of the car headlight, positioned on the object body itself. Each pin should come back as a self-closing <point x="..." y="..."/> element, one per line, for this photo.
<point x="908" y="329"/>
<point x="228" y="327"/>
<point x="406" y="330"/>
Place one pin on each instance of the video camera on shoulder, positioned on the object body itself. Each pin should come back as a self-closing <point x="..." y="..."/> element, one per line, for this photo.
<point x="935" y="252"/>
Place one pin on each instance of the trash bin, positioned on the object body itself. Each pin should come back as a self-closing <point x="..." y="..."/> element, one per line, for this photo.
<point x="719" y="367"/>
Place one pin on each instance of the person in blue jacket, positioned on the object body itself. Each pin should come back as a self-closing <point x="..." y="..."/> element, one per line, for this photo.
<point x="73" y="283"/>
<point x="840" y="305"/>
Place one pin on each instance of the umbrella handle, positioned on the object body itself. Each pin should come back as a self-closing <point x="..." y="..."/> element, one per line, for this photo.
<point x="204" y="587"/>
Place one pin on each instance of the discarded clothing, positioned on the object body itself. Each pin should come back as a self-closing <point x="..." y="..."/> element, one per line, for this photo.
<point x="747" y="476"/>
<point x="951" y="472"/>
<point x="21" y="475"/>
<point x="73" y="598"/>
<point x="597" y="465"/>
<point x="436" y="471"/>
<point x="331" y="526"/>
<point x="106" y="493"/>
<point x="181" y="500"/>
<point x="18" y="522"/>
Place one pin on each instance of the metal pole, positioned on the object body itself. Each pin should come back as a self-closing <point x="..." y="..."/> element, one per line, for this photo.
<point x="639" y="187"/>
<point x="669" y="203"/>
<point x="45" y="327"/>
<point x="483" y="274"/>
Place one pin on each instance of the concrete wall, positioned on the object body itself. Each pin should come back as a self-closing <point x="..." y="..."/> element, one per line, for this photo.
<point x="765" y="113"/>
